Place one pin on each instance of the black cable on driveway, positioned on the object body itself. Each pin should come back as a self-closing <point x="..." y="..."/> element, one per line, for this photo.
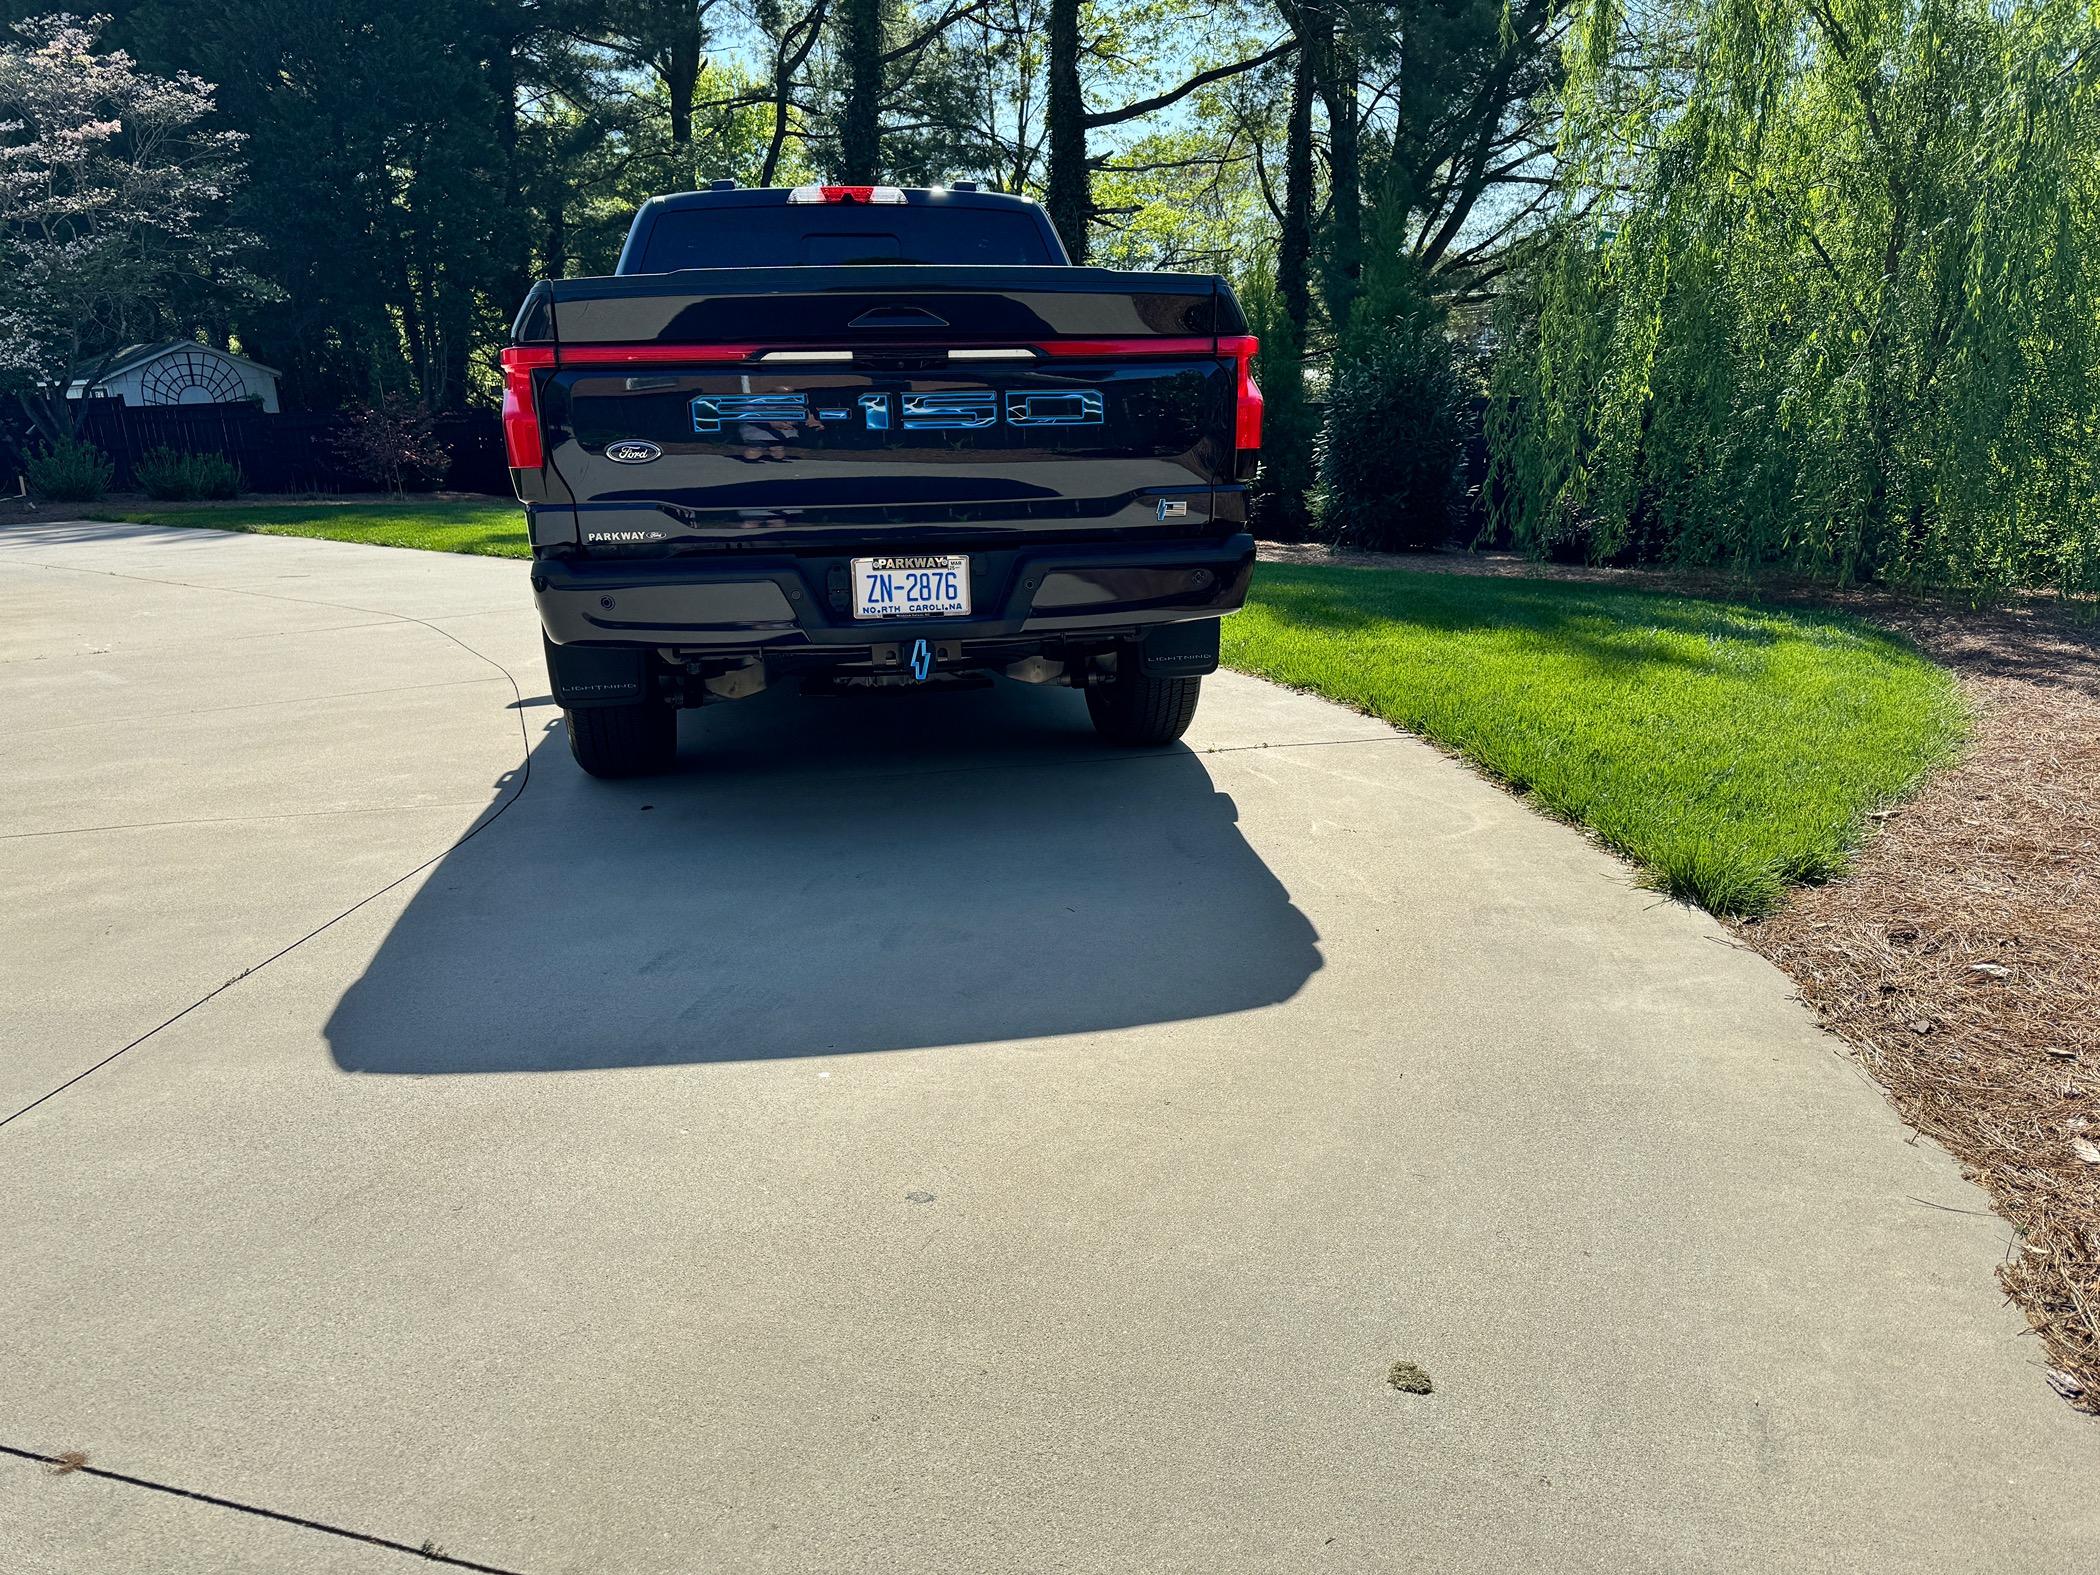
<point x="428" y="1552"/>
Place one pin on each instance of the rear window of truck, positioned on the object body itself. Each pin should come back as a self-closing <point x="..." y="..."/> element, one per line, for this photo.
<point x="827" y="235"/>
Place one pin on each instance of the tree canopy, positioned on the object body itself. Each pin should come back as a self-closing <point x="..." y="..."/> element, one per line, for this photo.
<point x="112" y="196"/>
<point x="1807" y="282"/>
<point x="414" y="164"/>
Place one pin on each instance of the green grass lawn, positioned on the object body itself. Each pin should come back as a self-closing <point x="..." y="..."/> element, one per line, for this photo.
<point x="1727" y="749"/>
<point x="492" y="527"/>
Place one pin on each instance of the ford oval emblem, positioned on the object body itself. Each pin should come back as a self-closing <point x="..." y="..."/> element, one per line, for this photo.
<point x="632" y="451"/>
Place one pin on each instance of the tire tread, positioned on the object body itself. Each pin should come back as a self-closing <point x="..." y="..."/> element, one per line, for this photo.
<point x="1138" y="711"/>
<point x="613" y="741"/>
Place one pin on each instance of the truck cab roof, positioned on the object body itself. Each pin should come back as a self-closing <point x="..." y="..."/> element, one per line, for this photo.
<point x="829" y="226"/>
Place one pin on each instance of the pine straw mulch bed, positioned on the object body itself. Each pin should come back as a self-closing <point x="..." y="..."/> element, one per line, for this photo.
<point x="1959" y="958"/>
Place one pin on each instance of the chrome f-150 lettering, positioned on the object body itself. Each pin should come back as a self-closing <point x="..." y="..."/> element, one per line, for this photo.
<point x="1064" y="407"/>
<point x="951" y="410"/>
<point x="940" y="410"/>
<point x="711" y="410"/>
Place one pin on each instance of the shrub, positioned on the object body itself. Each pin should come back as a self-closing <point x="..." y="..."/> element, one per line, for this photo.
<point x="1280" y="500"/>
<point x="170" y="474"/>
<point x="1391" y="453"/>
<point x="70" y="472"/>
<point x="391" y="446"/>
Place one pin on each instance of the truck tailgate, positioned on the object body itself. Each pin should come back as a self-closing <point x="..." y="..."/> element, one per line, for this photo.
<point x="821" y="406"/>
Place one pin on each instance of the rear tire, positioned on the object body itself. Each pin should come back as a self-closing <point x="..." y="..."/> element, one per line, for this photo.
<point x="1136" y="710"/>
<point x="624" y="740"/>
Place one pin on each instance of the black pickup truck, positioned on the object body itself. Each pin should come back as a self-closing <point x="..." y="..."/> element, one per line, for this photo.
<point x="867" y="436"/>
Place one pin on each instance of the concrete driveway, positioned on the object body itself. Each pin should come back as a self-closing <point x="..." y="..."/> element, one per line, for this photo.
<point x="911" y="1138"/>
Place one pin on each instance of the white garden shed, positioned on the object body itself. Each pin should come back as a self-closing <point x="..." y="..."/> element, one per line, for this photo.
<point x="176" y="372"/>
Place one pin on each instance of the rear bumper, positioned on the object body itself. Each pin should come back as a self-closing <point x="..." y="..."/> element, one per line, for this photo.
<point x="788" y="603"/>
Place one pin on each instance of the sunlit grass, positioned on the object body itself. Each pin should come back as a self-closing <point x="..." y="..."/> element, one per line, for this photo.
<point x="492" y="527"/>
<point x="1728" y="749"/>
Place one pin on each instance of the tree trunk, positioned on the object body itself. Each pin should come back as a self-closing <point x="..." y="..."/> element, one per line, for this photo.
<point x="783" y="89"/>
<point x="1334" y="71"/>
<point x="51" y="415"/>
<point x="787" y="60"/>
<point x="682" y="79"/>
<point x="503" y="92"/>
<point x="1294" y="247"/>
<point x="503" y="89"/>
<point x="860" y="122"/>
<point x="557" y="253"/>
<point x="457" y="347"/>
<point x="411" y="328"/>
<point x="1069" y="193"/>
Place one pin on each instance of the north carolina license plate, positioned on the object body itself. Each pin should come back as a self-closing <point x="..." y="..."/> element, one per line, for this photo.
<point x="921" y="586"/>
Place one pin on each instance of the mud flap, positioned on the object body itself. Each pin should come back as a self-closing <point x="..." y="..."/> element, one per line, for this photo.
<point x="587" y="675"/>
<point x="1181" y="650"/>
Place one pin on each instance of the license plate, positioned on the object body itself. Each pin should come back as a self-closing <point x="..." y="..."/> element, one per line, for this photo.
<point x="921" y="586"/>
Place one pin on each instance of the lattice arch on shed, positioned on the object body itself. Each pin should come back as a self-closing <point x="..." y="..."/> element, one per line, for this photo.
<point x="167" y="380"/>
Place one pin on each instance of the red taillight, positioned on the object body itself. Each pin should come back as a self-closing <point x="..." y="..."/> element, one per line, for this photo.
<point x="629" y="355"/>
<point x="1113" y="348"/>
<point x="522" y="442"/>
<point x="1246" y="410"/>
<point x="521" y="408"/>
<point x="1246" y="404"/>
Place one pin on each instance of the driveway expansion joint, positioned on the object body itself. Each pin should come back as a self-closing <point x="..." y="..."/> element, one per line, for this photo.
<point x="243" y="820"/>
<point x="251" y="705"/>
<point x="495" y="813"/>
<point x="378" y="614"/>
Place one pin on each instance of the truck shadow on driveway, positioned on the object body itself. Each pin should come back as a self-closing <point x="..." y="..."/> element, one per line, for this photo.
<point x="831" y="876"/>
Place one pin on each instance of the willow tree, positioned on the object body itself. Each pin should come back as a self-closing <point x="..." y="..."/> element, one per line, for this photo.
<point x="1827" y="293"/>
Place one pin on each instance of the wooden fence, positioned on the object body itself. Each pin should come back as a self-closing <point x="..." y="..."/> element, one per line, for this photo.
<point x="286" y="452"/>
